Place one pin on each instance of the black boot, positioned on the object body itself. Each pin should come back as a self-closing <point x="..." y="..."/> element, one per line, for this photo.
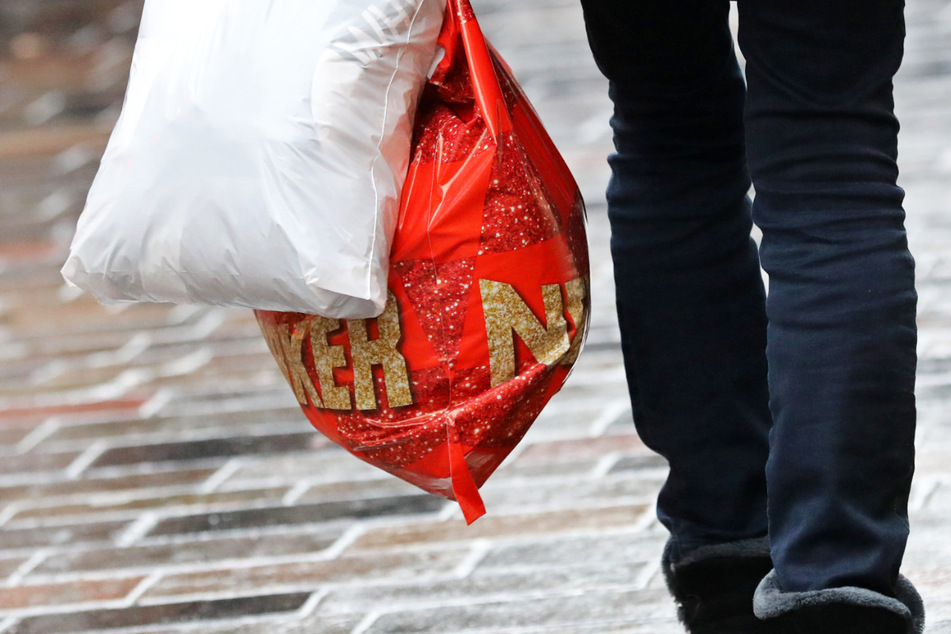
<point x="713" y="586"/>
<point x="847" y="610"/>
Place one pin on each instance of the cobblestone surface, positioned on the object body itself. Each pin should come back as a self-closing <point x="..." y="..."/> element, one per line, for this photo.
<point x="156" y="475"/>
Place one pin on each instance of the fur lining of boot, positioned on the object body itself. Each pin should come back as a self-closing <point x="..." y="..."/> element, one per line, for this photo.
<point x="840" y="610"/>
<point x="713" y="585"/>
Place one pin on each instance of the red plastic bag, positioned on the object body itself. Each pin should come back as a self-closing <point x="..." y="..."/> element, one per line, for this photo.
<point x="488" y="291"/>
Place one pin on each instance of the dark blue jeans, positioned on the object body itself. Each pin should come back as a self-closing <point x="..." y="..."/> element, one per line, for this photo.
<point x="791" y="415"/>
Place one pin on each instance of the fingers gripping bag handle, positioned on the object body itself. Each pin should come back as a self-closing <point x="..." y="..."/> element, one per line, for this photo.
<point x="487" y="290"/>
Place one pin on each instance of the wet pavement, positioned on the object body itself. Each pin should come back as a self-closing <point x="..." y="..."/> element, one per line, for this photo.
<point x="157" y="476"/>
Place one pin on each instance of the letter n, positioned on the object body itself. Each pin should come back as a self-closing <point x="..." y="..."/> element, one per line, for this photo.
<point x="505" y="311"/>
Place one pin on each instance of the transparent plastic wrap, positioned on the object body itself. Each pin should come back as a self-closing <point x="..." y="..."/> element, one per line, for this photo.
<point x="259" y="155"/>
<point x="488" y="291"/>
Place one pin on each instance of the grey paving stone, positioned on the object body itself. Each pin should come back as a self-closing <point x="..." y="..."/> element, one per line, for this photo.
<point x="482" y="586"/>
<point x="362" y="568"/>
<point x="315" y="624"/>
<point x="591" y="608"/>
<point x="172" y="555"/>
<point x="601" y="551"/>
<point x="170" y="613"/>
<point x="204" y="449"/>
<point x="24" y="597"/>
<point x="300" y="514"/>
<point x="87" y="533"/>
<point x="156" y="479"/>
<point x="122" y="506"/>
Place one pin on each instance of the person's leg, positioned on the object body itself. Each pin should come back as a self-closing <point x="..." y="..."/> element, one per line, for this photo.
<point x="689" y="289"/>
<point x="821" y="145"/>
<point x="689" y="292"/>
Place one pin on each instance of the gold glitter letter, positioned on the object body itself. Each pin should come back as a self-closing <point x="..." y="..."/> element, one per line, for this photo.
<point x="577" y="292"/>
<point x="326" y="358"/>
<point x="286" y="346"/>
<point x="381" y="351"/>
<point x="506" y="311"/>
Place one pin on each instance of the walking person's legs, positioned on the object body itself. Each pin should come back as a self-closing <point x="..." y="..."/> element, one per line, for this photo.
<point x="689" y="292"/>
<point x="821" y="143"/>
<point x="822" y="147"/>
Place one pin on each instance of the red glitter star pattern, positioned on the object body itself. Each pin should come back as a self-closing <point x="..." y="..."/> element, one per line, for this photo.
<point x="439" y="294"/>
<point x="517" y="209"/>
<point x="447" y="135"/>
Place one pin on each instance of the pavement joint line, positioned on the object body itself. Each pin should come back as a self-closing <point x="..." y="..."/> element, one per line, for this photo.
<point x="68" y="293"/>
<point x="144" y="586"/>
<point x="479" y="549"/>
<point x="72" y="158"/>
<point x="85" y="459"/>
<point x="603" y="467"/>
<point x="110" y="390"/>
<point x="37" y="435"/>
<point x="48" y="372"/>
<point x="648" y="517"/>
<point x="364" y="625"/>
<point x="926" y="498"/>
<point x="136" y="345"/>
<point x="119" y="386"/>
<point x="55" y="204"/>
<point x="187" y="364"/>
<point x="449" y="512"/>
<point x="344" y="542"/>
<point x="45" y="107"/>
<point x="26" y="567"/>
<point x="944" y="161"/>
<point x="137" y="529"/>
<point x="310" y="605"/>
<point x="118" y="308"/>
<point x="206" y="326"/>
<point x="290" y="498"/>
<point x="153" y="406"/>
<point x="9" y="511"/>
<point x="609" y="415"/>
<point x="180" y="313"/>
<point x="218" y="477"/>
<point x="645" y="576"/>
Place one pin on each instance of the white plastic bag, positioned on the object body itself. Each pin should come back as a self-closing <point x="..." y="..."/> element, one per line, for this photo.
<point x="259" y="155"/>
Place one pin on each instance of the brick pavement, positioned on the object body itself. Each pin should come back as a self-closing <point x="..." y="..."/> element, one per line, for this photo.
<point x="156" y="475"/>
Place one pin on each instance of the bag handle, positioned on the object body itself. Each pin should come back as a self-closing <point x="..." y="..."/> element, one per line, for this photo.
<point x="485" y="83"/>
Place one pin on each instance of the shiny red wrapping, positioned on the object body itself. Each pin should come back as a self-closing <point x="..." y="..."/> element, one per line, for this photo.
<point x="488" y="291"/>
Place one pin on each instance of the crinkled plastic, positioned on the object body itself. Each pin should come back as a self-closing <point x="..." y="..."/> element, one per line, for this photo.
<point x="488" y="291"/>
<point x="259" y="155"/>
